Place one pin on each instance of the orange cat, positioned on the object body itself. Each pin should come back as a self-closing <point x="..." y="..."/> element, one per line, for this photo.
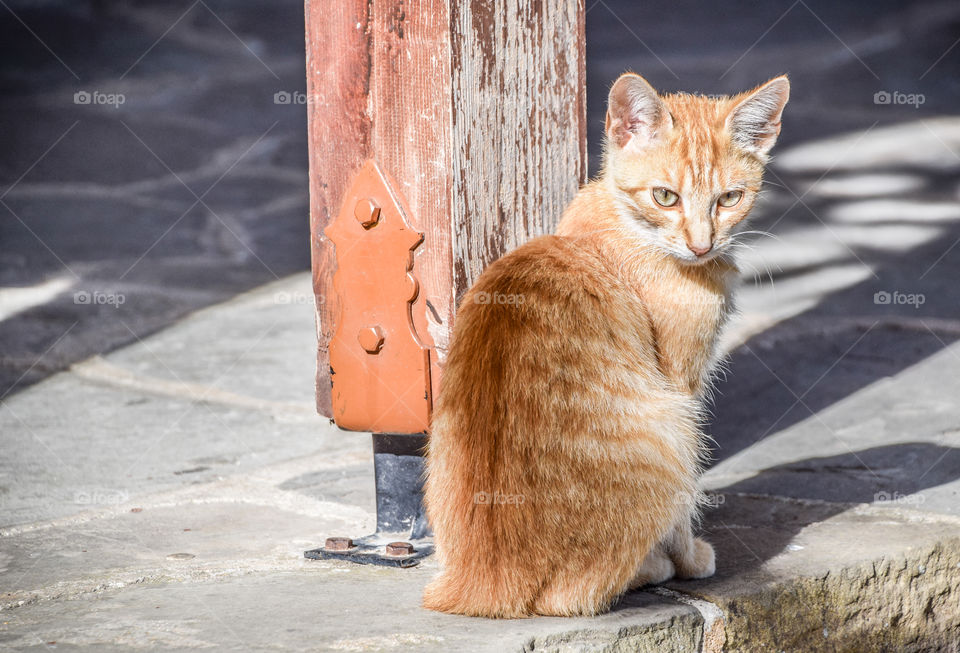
<point x="565" y="447"/>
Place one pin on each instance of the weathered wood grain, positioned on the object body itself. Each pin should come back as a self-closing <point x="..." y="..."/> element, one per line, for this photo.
<point x="411" y="110"/>
<point x="476" y="108"/>
<point x="519" y="124"/>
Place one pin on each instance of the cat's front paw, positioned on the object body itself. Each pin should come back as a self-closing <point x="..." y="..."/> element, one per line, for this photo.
<point x="704" y="562"/>
<point x="656" y="568"/>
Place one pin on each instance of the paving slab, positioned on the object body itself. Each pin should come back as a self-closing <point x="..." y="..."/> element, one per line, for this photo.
<point x="321" y="607"/>
<point x="201" y="401"/>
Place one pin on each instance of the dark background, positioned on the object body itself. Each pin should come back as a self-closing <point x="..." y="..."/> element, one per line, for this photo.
<point x="837" y="54"/>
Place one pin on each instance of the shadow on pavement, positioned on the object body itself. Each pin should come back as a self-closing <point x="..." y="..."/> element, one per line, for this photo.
<point x="147" y="171"/>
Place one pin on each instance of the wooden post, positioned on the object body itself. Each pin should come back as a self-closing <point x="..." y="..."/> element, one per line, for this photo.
<point x="475" y="109"/>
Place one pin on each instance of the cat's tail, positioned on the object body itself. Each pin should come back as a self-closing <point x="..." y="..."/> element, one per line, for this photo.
<point x="476" y="595"/>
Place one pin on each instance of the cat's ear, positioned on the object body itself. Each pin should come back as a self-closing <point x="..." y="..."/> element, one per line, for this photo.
<point x="754" y="123"/>
<point x="635" y="113"/>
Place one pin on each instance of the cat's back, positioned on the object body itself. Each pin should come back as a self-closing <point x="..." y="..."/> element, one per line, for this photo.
<point x="548" y="264"/>
<point x="546" y="331"/>
<point x="553" y="291"/>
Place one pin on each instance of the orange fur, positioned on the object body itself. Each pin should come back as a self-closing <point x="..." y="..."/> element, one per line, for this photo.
<point x="565" y="445"/>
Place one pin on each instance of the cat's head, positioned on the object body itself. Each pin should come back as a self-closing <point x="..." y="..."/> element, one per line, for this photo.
<point x="685" y="170"/>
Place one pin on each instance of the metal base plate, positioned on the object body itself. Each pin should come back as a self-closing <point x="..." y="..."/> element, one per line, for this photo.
<point x="371" y="550"/>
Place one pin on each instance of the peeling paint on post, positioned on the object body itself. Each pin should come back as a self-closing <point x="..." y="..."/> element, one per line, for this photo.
<point x="477" y="109"/>
<point x="519" y="128"/>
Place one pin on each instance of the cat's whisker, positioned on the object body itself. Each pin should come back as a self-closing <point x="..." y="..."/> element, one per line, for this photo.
<point x="759" y="273"/>
<point x="755" y="232"/>
<point x="751" y="269"/>
<point x="767" y="182"/>
<point x="750" y="247"/>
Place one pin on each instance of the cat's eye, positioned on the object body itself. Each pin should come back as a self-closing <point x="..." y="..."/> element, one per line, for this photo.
<point x="665" y="197"/>
<point x="730" y="199"/>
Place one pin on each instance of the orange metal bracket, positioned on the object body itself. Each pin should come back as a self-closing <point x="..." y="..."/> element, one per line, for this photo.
<point x="379" y="368"/>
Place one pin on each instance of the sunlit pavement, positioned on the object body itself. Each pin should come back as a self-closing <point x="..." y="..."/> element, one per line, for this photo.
<point x="160" y="495"/>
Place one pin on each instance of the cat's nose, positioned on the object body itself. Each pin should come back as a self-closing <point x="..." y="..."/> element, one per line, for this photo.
<point x="699" y="250"/>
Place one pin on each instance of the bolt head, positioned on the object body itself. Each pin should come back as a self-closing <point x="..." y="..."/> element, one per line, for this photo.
<point x="338" y="544"/>
<point x="367" y="213"/>
<point x="400" y="549"/>
<point x="371" y="339"/>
